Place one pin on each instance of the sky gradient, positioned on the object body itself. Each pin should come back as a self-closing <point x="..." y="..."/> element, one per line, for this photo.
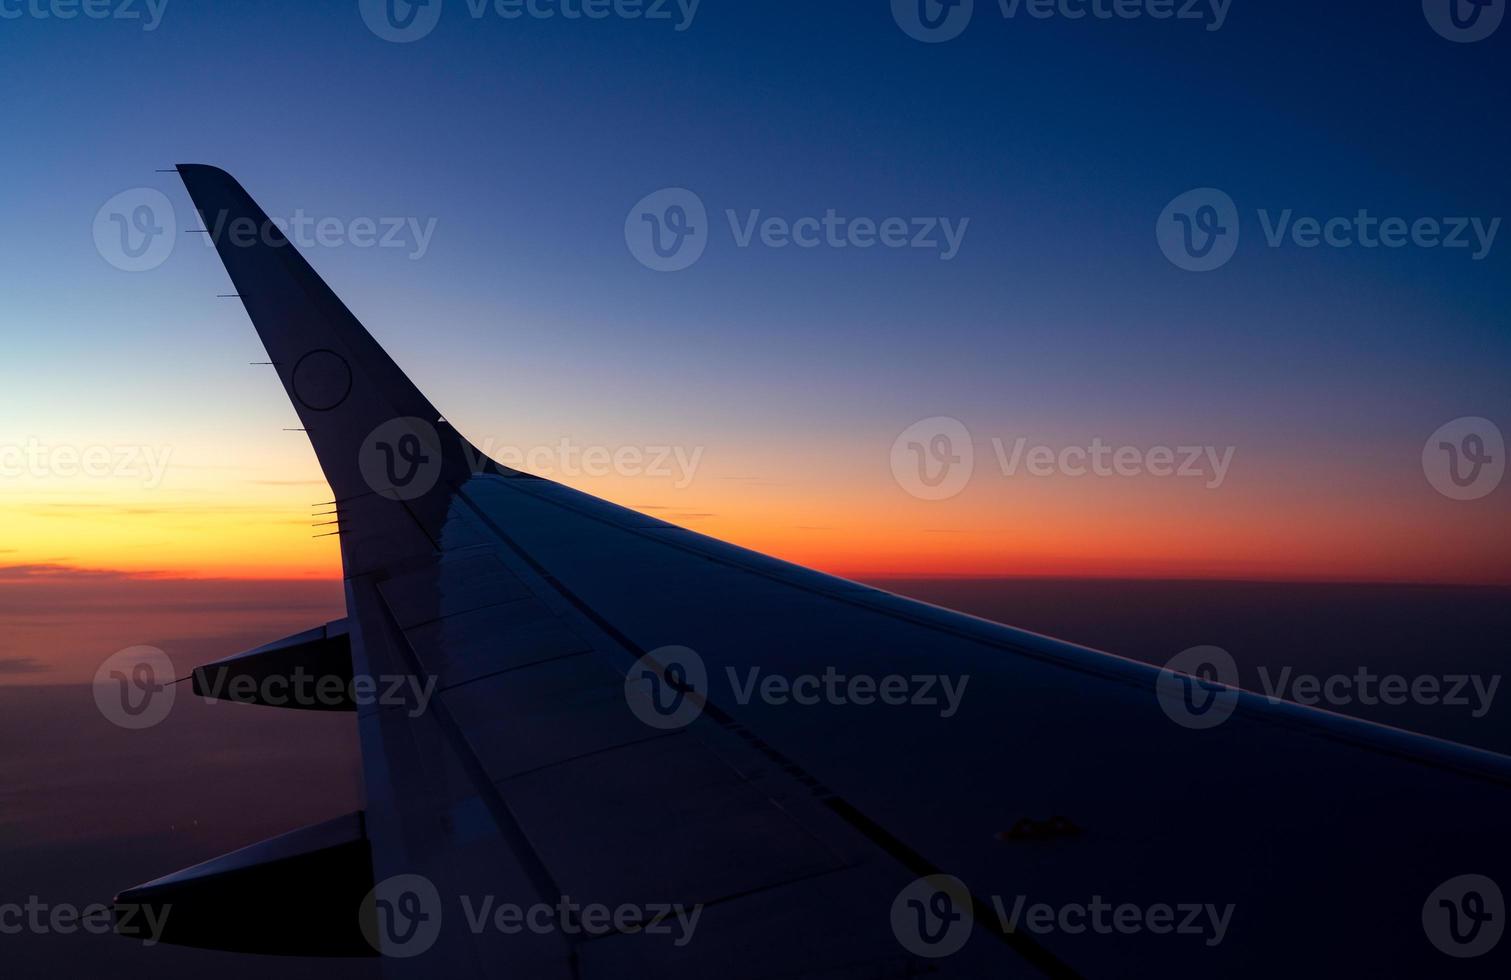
<point x="151" y="495"/>
<point x="521" y="145"/>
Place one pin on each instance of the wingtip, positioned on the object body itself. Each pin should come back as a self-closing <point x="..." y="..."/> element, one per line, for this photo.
<point x="206" y="175"/>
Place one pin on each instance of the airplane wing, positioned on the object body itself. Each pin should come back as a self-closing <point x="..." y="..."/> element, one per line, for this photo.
<point x="596" y="744"/>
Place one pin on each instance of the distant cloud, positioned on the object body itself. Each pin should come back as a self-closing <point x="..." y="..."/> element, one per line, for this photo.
<point x="57" y="571"/>
<point x="71" y="508"/>
<point x="22" y="665"/>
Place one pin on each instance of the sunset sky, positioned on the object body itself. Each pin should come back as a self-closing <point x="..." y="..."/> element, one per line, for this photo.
<point x="787" y="374"/>
<point x="479" y="195"/>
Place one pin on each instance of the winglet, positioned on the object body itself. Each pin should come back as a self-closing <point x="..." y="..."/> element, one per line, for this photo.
<point x="351" y="397"/>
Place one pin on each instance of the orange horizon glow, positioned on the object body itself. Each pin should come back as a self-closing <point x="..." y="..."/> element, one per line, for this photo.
<point x="256" y="528"/>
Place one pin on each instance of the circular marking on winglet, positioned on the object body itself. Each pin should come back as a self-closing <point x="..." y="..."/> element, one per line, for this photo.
<point x="322" y="379"/>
